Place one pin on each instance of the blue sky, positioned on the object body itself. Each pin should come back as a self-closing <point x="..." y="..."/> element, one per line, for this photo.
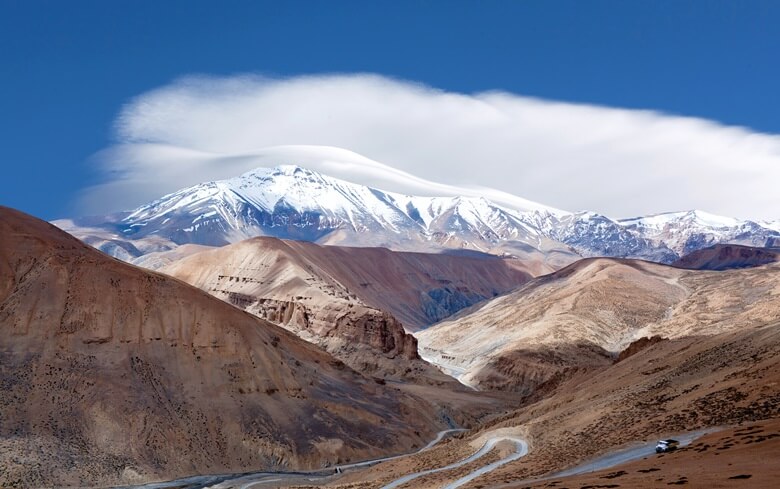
<point x="68" y="68"/>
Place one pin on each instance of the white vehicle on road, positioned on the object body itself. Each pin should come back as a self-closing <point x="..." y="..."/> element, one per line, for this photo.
<point x="664" y="446"/>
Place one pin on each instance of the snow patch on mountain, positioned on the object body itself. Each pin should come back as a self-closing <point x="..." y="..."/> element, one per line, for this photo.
<point x="293" y="202"/>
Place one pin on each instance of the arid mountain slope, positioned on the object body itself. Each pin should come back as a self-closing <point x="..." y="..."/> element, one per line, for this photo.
<point x="113" y="374"/>
<point x="725" y="257"/>
<point x="419" y="289"/>
<point x="337" y="297"/>
<point x="740" y="456"/>
<point x="158" y="259"/>
<point x="666" y="389"/>
<point x="583" y="315"/>
<point x="671" y="387"/>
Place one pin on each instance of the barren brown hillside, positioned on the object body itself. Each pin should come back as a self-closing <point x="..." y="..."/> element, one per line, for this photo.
<point x="728" y="256"/>
<point x="113" y="374"/>
<point x="346" y="299"/>
<point x="743" y="456"/>
<point x="667" y="389"/>
<point x="582" y="316"/>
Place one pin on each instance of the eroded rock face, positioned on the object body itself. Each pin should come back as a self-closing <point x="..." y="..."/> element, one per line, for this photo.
<point x="333" y="327"/>
<point x="379" y="330"/>
<point x="326" y="294"/>
<point x="111" y="374"/>
<point x="637" y="346"/>
<point x="353" y="323"/>
<point x="366" y="339"/>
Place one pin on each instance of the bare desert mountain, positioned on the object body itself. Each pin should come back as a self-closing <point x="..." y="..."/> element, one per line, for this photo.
<point x="725" y="257"/>
<point x="349" y="300"/>
<point x="417" y="288"/>
<point x="725" y="384"/>
<point x="582" y="316"/>
<point x="113" y="374"/>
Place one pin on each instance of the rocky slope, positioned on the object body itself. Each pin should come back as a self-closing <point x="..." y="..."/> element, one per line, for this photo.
<point x="417" y="288"/>
<point x="583" y="315"/>
<point x="112" y="374"/>
<point x="725" y="257"/>
<point x="336" y="296"/>
<point x="676" y="386"/>
<point x="741" y="455"/>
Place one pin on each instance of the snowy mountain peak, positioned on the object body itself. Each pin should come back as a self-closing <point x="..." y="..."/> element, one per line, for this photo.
<point x="711" y="220"/>
<point x="279" y="173"/>
<point x="695" y="216"/>
<point x="292" y="201"/>
<point x="291" y="170"/>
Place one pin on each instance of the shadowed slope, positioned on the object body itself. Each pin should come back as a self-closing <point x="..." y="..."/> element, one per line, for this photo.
<point x="114" y="374"/>
<point x="725" y="257"/>
<point x="667" y="389"/>
<point x="417" y="288"/>
<point x="337" y="297"/>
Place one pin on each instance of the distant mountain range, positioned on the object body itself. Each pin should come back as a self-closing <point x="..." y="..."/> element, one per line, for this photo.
<point x="292" y="202"/>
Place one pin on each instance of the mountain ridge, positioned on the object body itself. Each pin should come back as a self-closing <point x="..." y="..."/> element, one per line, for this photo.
<point x="594" y="309"/>
<point x="291" y="202"/>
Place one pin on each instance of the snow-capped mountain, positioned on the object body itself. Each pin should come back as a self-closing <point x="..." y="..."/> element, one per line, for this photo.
<point x="592" y="234"/>
<point x="297" y="203"/>
<point x="662" y="238"/>
<point x="684" y="232"/>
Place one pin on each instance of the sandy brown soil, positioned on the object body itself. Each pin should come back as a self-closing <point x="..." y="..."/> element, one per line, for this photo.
<point x="112" y="374"/>
<point x="418" y="289"/>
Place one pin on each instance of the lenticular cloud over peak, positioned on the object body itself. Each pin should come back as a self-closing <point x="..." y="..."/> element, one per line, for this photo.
<point x="418" y="140"/>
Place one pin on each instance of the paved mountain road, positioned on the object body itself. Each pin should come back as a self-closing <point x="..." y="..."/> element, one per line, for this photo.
<point x="521" y="448"/>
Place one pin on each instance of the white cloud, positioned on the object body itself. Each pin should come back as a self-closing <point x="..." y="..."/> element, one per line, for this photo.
<point x="617" y="162"/>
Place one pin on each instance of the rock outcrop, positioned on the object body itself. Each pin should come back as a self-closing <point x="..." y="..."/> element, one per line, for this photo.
<point x="349" y="300"/>
<point x="637" y="346"/>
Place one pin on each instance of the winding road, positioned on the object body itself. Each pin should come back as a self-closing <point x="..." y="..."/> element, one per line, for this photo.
<point x="606" y="461"/>
<point x="248" y="480"/>
<point x="521" y="449"/>
<point x="614" y="458"/>
<point x="627" y="455"/>
<point x="252" y="480"/>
